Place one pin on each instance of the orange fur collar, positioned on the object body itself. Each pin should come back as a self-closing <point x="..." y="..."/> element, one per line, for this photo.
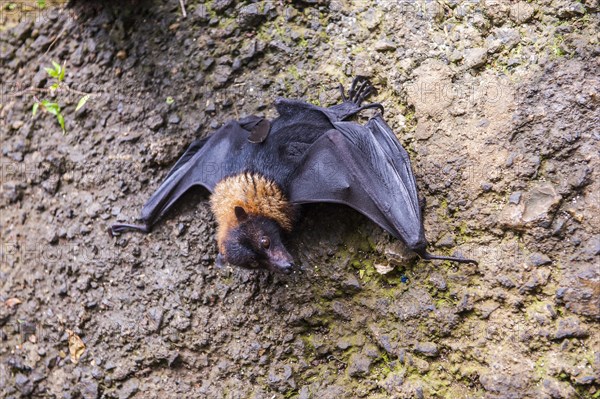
<point x="258" y="196"/>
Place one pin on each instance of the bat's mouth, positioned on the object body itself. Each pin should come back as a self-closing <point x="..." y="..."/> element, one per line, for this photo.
<point x="284" y="266"/>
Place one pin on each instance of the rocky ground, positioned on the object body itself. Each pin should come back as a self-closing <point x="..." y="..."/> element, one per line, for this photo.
<point x="497" y="103"/>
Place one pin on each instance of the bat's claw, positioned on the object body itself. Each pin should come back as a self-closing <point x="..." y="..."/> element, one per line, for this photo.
<point x="359" y="91"/>
<point x="427" y="256"/>
<point x="118" y="229"/>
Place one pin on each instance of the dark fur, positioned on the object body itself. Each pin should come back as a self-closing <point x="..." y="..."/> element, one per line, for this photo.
<point x="243" y="245"/>
<point x="313" y="154"/>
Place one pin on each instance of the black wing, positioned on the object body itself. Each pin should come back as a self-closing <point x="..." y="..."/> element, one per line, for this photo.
<point x="366" y="168"/>
<point x="205" y="163"/>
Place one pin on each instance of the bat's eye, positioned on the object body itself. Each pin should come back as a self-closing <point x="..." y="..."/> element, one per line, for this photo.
<point x="265" y="242"/>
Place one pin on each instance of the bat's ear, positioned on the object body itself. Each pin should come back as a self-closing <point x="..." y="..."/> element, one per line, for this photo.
<point x="240" y="214"/>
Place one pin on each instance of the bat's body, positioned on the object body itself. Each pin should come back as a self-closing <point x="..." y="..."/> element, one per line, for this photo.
<point x="259" y="170"/>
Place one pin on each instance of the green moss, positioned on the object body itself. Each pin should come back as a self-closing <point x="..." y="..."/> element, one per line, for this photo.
<point x="293" y="71"/>
<point x="557" y="46"/>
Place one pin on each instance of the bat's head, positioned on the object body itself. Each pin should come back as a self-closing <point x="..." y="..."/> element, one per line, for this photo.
<point x="257" y="242"/>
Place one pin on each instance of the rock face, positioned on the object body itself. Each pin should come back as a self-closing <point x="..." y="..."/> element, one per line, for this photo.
<point x="497" y="104"/>
<point x="537" y="208"/>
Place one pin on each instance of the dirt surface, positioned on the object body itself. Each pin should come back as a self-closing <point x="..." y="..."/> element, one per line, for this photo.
<point x="498" y="105"/>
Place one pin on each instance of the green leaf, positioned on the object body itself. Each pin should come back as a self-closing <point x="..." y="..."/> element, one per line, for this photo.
<point x="56" y="66"/>
<point x="61" y="122"/>
<point x="82" y="102"/>
<point x="54" y="86"/>
<point x="361" y="273"/>
<point x="52" y="108"/>
<point x="170" y="100"/>
<point x="41" y="3"/>
<point x="61" y="75"/>
<point x="51" y="72"/>
<point x="34" y="110"/>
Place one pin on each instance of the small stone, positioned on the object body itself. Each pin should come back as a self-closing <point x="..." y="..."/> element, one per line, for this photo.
<point x="16" y="125"/>
<point x="207" y="63"/>
<point x="455" y="56"/>
<point x="383" y="269"/>
<point x="78" y="56"/>
<point x="570" y="328"/>
<point x="174" y="119"/>
<point x="180" y="229"/>
<point x="221" y="5"/>
<point x="93" y="210"/>
<point x="486" y="187"/>
<point x="585" y="379"/>
<point x="521" y="12"/>
<point x="475" y="57"/>
<point x="427" y="348"/>
<point x="130" y="388"/>
<point x="221" y="75"/>
<point x="155" y="122"/>
<point x="539" y="259"/>
<point x="537" y="208"/>
<point x="121" y="54"/>
<point x="515" y="198"/>
<point x="22" y="30"/>
<point x="250" y="15"/>
<point x="23" y="384"/>
<point x="571" y="9"/>
<point x="52" y="237"/>
<point x="210" y="106"/>
<point x="41" y="43"/>
<point x="385" y="45"/>
<point x="351" y="284"/>
<point x="39" y="79"/>
<point x="447" y="241"/>
<point x="393" y="382"/>
<point x="358" y="365"/>
<point x="89" y="390"/>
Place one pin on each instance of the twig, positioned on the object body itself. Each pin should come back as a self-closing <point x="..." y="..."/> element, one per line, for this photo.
<point x="182" y="3"/>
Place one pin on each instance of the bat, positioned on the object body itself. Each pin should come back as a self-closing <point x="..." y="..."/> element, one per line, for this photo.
<point x="260" y="171"/>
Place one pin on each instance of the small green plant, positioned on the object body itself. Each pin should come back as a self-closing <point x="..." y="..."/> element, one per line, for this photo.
<point x="57" y="73"/>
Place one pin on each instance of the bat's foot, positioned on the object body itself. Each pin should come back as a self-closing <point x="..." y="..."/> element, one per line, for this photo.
<point x="118" y="229"/>
<point x="360" y="90"/>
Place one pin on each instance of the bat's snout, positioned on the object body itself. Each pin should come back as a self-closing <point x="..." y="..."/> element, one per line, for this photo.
<point x="281" y="261"/>
<point x="283" y="266"/>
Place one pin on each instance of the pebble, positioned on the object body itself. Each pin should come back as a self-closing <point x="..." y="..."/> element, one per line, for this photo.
<point x="174" y="119"/>
<point x="358" y="365"/>
<point x="155" y="122"/>
<point x="521" y="12"/>
<point x="475" y="57"/>
<point x="89" y="389"/>
<point x="515" y="197"/>
<point x="570" y="328"/>
<point x="129" y="388"/>
<point x="250" y="15"/>
<point x="221" y="5"/>
<point x="539" y="259"/>
<point x="385" y="45"/>
<point x="427" y="348"/>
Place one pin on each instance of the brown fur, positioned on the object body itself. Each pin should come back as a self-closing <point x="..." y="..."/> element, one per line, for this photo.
<point x="256" y="194"/>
